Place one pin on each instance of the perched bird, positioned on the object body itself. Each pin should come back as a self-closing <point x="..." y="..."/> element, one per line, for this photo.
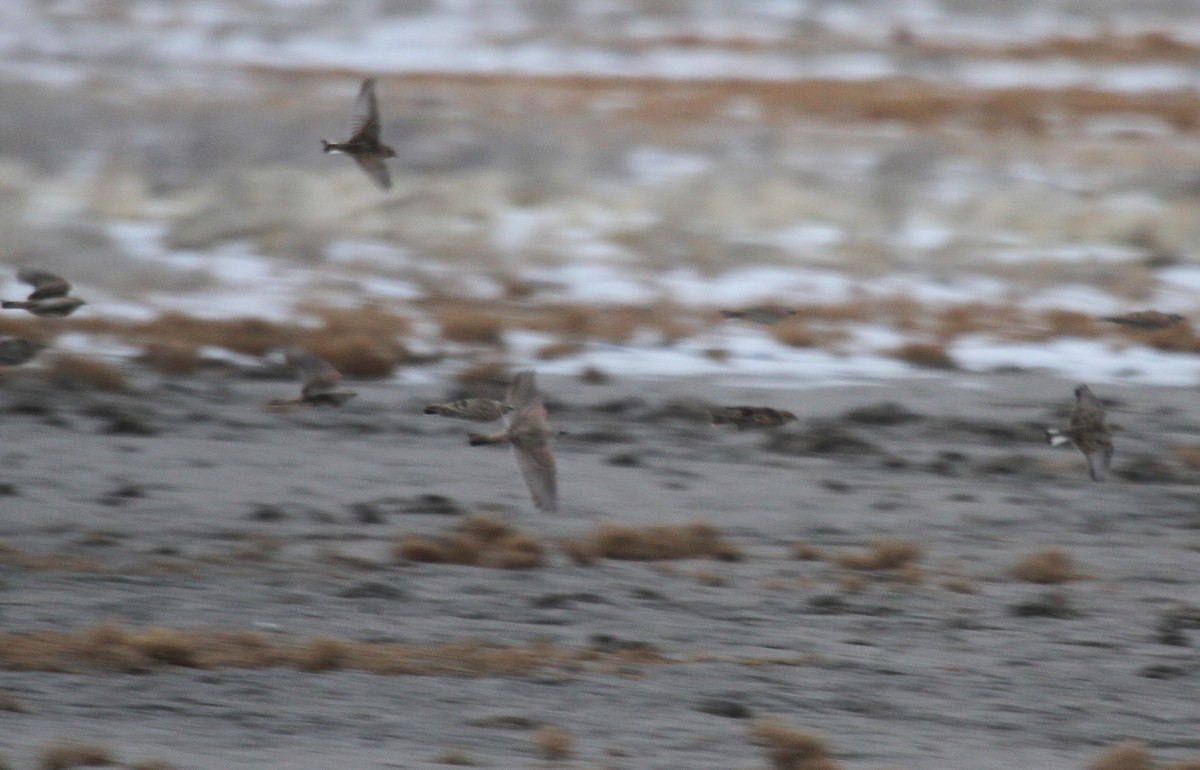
<point x="760" y="314"/>
<point x="474" y="409"/>
<point x="529" y="433"/>
<point x="15" y="351"/>
<point x="364" y="145"/>
<point x="50" y="297"/>
<point x="320" y="380"/>
<point x="1149" y="320"/>
<point x="1088" y="431"/>
<point x="747" y="417"/>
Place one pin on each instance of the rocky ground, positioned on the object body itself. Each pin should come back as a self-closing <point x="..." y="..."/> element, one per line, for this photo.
<point x="184" y="506"/>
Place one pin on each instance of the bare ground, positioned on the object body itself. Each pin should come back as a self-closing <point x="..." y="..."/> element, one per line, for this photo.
<point x="185" y="506"/>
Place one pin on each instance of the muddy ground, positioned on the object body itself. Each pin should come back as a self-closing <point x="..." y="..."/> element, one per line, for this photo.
<point x="183" y="504"/>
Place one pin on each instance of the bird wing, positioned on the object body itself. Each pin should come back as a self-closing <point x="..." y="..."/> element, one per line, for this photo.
<point x="317" y="374"/>
<point x="1099" y="459"/>
<point x="364" y="120"/>
<point x="541" y="476"/>
<point x="44" y="284"/>
<point x="522" y="393"/>
<point x="375" y="168"/>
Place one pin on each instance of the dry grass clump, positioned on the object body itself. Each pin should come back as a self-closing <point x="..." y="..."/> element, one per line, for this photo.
<point x="556" y="350"/>
<point x="806" y="552"/>
<point x="11" y="703"/>
<point x="553" y="742"/>
<point x="1070" y="323"/>
<point x="884" y="555"/>
<point x="467" y="324"/>
<point x="132" y="650"/>
<point x="358" y="355"/>
<point x="480" y="541"/>
<point x="792" y="749"/>
<point x="931" y="355"/>
<point x="492" y="373"/>
<point x="65" y="754"/>
<point x="649" y="543"/>
<point x="1187" y="454"/>
<point x="1180" y="338"/>
<point x="1127" y="755"/>
<point x="1049" y="566"/>
<point x="976" y="317"/>
<point x="170" y="358"/>
<point x="81" y="371"/>
<point x="11" y="556"/>
<point x="454" y="757"/>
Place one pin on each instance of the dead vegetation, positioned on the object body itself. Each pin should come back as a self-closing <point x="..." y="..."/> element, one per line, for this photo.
<point x="883" y="555"/>
<point x="11" y="556"/>
<point x="85" y="372"/>
<point x="792" y="749"/>
<point x="651" y="543"/>
<point x="553" y="742"/>
<point x="480" y="541"/>
<point x="112" y="647"/>
<point x="1047" y="566"/>
<point x="66" y="754"/>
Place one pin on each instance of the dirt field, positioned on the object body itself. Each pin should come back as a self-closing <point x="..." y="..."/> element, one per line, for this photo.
<point x="216" y="585"/>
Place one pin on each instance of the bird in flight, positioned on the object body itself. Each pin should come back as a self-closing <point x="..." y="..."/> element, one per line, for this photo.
<point x="747" y="417"/>
<point x="320" y="380"/>
<point x="15" y="351"/>
<point x="364" y="145"/>
<point x="760" y="314"/>
<point x="50" y="298"/>
<point x="1149" y="320"/>
<point x="529" y="433"/>
<point x="1088" y="431"/>
<point x="474" y="409"/>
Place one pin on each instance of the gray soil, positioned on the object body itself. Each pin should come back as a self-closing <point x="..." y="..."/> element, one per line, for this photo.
<point x="896" y="673"/>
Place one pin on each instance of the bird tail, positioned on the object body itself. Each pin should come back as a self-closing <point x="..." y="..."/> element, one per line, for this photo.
<point x="326" y="147"/>
<point x="1055" y="437"/>
<point x="433" y="409"/>
<point x="10" y="304"/>
<point x="732" y="314"/>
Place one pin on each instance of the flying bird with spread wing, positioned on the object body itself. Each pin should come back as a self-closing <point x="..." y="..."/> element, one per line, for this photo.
<point x="1147" y="320"/>
<point x="529" y="433"/>
<point x="747" y="417"/>
<point x="1088" y="431"/>
<point x="50" y="298"/>
<point x="364" y="145"/>
<point x="473" y="409"/>
<point x="320" y="378"/>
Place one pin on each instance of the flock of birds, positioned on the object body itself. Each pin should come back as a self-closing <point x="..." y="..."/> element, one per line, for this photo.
<point x="527" y="428"/>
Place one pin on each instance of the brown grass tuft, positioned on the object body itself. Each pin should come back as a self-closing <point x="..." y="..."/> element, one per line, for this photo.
<point x="688" y="541"/>
<point x="80" y="371"/>
<point x="11" y="703"/>
<point x="479" y="541"/>
<point x="110" y="647"/>
<point x="166" y="645"/>
<point x="64" y="754"/>
<point x="1049" y="565"/>
<point x="358" y="355"/>
<point x="884" y="555"/>
<point x="554" y="743"/>
<point x="11" y="556"/>
<point x="1187" y="454"/>
<point x="150" y="764"/>
<point x="806" y="552"/>
<point x="494" y="373"/>
<point x="930" y="355"/>
<point x="463" y="323"/>
<point x="792" y="749"/>
<point x="170" y="358"/>
<point x="454" y="757"/>
<point x="557" y="350"/>
<point x="1127" y="755"/>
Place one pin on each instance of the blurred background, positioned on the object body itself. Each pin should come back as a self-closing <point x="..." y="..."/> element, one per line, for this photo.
<point x="581" y="184"/>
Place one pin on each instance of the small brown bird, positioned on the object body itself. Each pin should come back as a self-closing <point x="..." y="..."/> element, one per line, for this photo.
<point x="364" y="145"/>
<point x="49" y="298"/>
<point x="747" y="417"/>
<point x="473" y="409"/>
<point x="529" y="433"/>
<point x="15" y="351"/>
<point x="760" y="314"/>
<point x="1088" y="431"/>
<point x="1149" y="320"/>
<point x="320" y="380"/>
